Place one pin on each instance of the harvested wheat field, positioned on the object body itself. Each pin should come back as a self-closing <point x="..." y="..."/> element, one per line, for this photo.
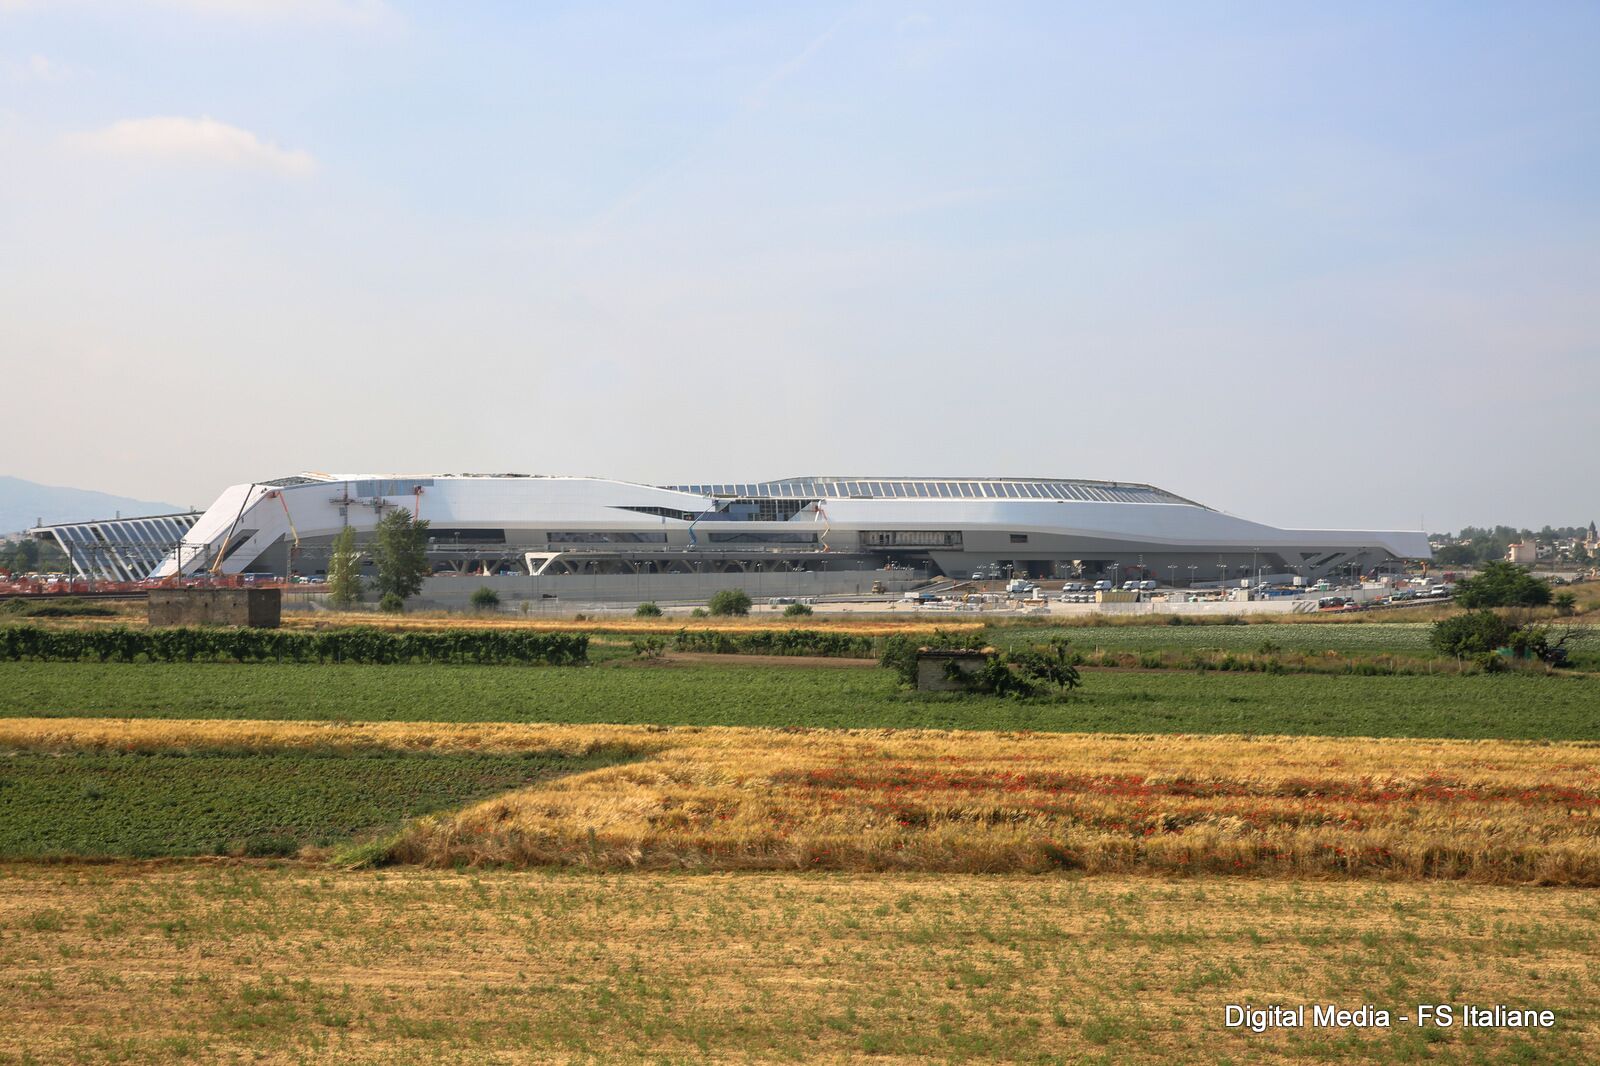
<point x="733" y="799"/>
<point x="275" y="963"/>
<point x="872" y="626"/>
<point x="741" y="799"/>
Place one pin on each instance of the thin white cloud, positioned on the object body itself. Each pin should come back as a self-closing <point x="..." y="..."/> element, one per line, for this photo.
<point x="35" y="68"/>
<point x="197" y="141"/>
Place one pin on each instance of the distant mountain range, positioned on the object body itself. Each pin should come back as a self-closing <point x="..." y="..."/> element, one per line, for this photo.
<point x="24" y="503"/>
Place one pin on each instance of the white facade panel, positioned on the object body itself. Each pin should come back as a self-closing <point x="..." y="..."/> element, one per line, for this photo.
<point x="1035" y="519"/>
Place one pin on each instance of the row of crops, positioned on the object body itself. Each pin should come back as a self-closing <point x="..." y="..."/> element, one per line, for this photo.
<point x="357" y="644"/>
<point x="1345" y="638"/>
<point x="776" y="642"/>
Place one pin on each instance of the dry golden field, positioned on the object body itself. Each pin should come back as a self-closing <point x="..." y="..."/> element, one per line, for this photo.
<point x="732" y="799"/>
<point x="867" y="626"/>
<point x="285" y="962"/>
<point x="742" y="799"/>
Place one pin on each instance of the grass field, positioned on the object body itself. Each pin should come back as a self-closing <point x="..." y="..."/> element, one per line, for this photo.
<point x="195" y="801"/>
<point x="240" y="962"/>
<point x="1366" y="639"/>
<point x="1507" y="706"/>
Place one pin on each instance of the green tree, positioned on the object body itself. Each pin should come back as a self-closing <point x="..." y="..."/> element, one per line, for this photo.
<point x="1501" y="584"/>
<point x="344" y="580"/>
<point x="401" y="551"/>
<point x="1474" y="633"/>
<point x="28" y="555"/>
<point x="730" y="601"/>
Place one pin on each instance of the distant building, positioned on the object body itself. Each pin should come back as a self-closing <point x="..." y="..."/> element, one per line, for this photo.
<point x="573" y="526"/>
<point x="1526" y="553"/>
<point x="1591" y="543"/>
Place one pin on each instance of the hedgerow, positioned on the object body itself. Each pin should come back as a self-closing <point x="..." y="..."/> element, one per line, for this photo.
<point x="776" y="642"/>
<point x="356" y="644"/>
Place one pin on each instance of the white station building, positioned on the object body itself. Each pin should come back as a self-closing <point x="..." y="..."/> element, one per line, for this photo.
<point x="542" y="526"/>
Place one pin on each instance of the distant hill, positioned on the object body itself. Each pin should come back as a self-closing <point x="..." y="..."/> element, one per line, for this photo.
<point x="23" y="503"/>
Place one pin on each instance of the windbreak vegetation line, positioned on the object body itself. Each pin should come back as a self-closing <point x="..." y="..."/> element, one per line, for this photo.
<point x="362" y="645"/>
<point x="777" y="642"/>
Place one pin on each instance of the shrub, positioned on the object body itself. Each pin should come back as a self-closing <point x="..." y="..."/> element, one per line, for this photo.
<point x="994" y="678"/>
<point x="1530" y="642"/>
<point x="649" y="647"/>
<point x="730" y="602"/>
<point x="1491" y="663"/>
<point x="392" y="603"/>
<point x="1049" y="664"/>
<point x="485" y="598"/>
<point x="1566" y="604"/>
<point x="60" y="607"/>
<point x="699" y="612"/>
<point x="1472" y="634"/>
<point x="899" y="653"/>
<point x="797" y="610"/>
<point x="647" y="610"/>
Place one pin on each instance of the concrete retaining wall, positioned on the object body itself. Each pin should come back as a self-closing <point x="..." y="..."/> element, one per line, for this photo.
<point x="262" y="608"/>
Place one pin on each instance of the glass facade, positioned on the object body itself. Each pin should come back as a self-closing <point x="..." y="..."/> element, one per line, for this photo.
<point x="986" y="488"/>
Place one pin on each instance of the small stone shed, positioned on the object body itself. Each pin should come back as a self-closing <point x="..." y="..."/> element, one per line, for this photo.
<point x="933" y="666"/>
<point x="262" y="608"/>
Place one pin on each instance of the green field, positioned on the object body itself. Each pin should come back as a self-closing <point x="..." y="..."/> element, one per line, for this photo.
<point x="202" y="803"/>
<point x="1410" y="639"/>
<point x="1514" y="706"/>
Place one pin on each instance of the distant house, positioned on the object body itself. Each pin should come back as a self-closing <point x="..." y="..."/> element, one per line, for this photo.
<point x="1526" y="552"/>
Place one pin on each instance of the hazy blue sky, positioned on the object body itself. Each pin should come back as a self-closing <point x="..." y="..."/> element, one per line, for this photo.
<point x="1318" y="264"/>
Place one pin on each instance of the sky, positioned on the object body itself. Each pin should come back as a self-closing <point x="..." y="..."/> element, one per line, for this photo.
<point x="1322" y="265"/>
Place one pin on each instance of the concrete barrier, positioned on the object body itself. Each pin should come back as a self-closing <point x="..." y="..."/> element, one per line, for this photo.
<point x="262" y="608"/>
